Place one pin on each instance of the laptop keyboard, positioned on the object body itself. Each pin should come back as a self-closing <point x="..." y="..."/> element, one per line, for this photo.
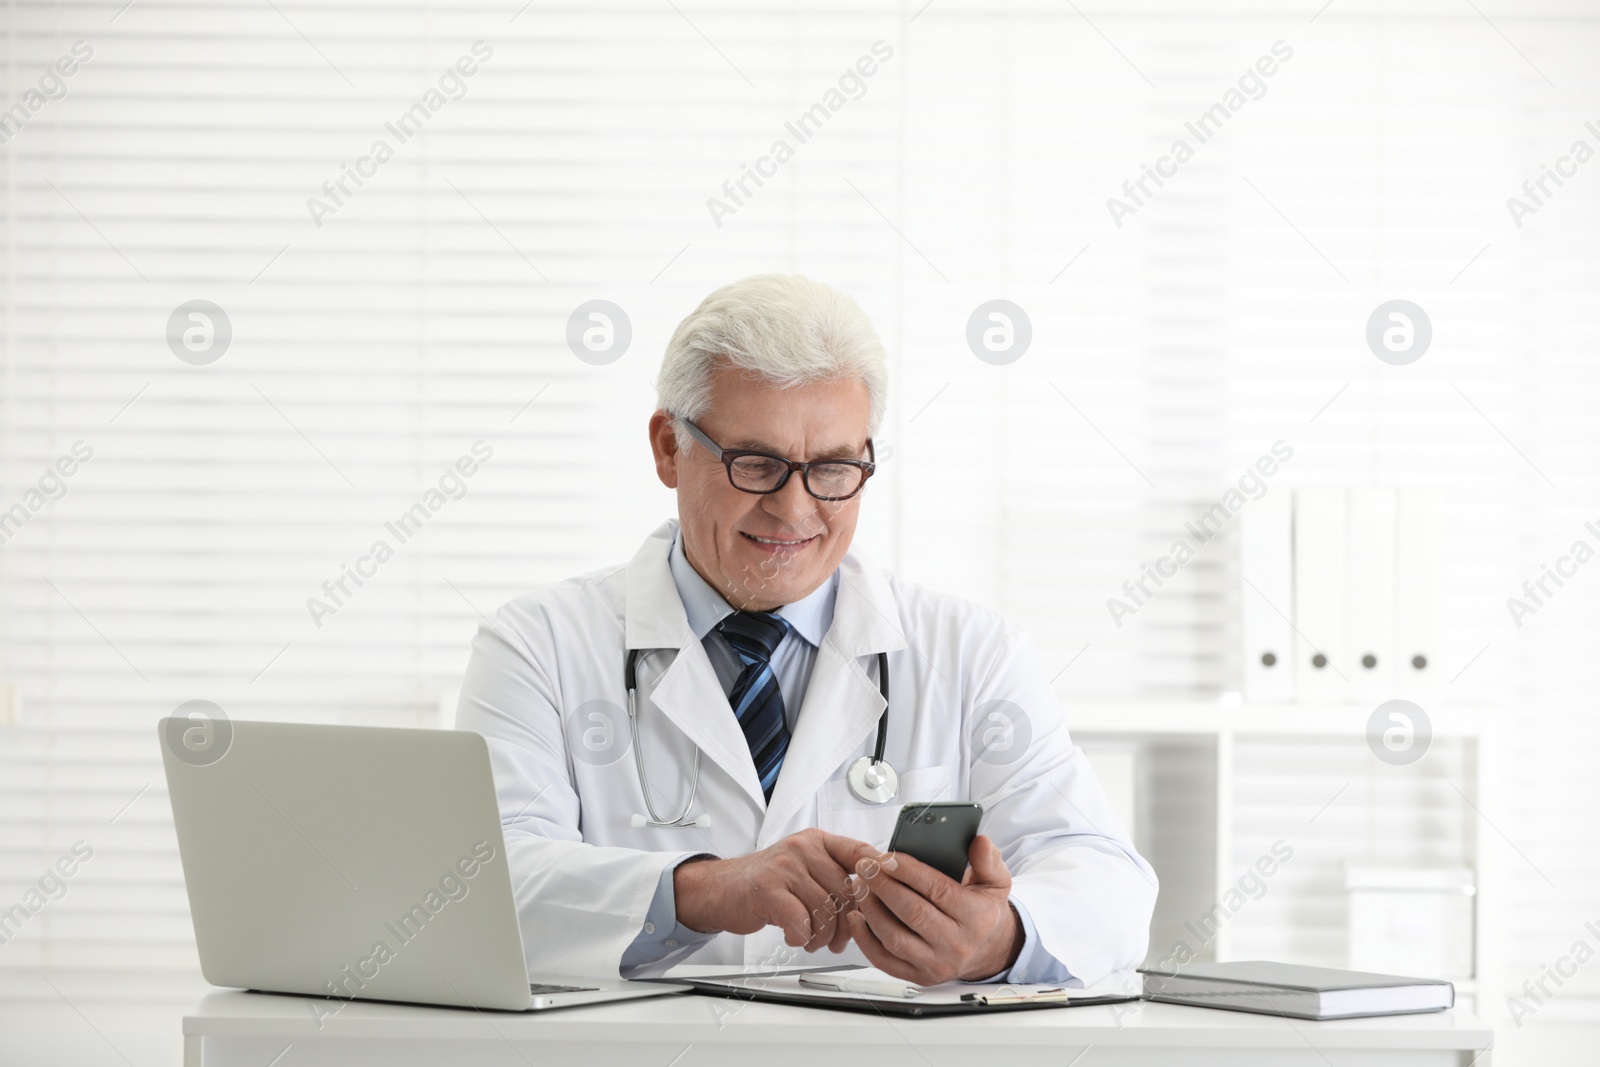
<point x="542" y="987"/>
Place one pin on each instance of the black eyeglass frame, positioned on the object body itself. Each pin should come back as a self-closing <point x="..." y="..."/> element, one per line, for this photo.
<point x="729" y="456"/>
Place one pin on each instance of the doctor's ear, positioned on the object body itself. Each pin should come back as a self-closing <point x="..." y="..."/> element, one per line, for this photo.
<point x="664" y="444"/>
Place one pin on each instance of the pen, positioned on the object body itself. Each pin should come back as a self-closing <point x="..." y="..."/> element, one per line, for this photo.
<point x="844" y="984"/>
<point x="1017" y="998"/>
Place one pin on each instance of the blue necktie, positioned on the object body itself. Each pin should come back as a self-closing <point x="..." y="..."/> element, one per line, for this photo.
<point x="757" y="703"/>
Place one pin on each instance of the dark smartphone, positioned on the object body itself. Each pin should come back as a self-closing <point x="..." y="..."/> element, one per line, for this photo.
<point x="938" y="834"/>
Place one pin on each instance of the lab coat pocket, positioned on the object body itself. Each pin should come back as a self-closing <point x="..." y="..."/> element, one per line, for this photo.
<point x="840" y="812"/>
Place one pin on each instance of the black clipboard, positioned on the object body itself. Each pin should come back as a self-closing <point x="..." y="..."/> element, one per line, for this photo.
<point x="739" y="985"/>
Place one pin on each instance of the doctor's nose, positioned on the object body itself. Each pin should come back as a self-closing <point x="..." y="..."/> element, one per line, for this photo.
<point x="795" y="507"/>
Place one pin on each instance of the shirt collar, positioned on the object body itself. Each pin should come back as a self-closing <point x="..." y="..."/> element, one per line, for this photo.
<point x="704" y="606"/>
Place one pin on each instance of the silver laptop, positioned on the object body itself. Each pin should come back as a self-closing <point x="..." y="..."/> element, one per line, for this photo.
<point x="355" y="863"/>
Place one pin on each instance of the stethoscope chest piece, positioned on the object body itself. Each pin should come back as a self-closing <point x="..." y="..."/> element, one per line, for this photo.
<point x="873" y="780"/>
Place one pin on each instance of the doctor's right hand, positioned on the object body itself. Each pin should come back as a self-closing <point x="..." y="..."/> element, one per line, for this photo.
<point x="795" y="884"/>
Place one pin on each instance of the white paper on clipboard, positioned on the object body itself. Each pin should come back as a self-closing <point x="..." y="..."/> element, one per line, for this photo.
<point x="788" y="983"/>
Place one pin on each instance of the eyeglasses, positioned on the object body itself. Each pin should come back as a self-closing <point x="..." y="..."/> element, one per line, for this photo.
<point x="762" y="472"/>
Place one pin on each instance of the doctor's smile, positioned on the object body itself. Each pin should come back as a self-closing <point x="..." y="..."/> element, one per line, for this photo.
<point x="777" y="544"/>
<point x="784" y="720"/>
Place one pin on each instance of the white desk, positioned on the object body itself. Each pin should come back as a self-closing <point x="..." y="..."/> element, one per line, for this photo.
<point x="229" y="1028"/>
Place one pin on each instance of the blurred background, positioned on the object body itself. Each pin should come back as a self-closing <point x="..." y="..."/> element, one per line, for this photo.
<point x="270" y="268"/>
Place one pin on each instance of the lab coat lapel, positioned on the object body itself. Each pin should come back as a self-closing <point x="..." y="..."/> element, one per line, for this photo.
<point x="691" y="697"/>
<point x="842" y="703"/>
<point x="687" y="692"/>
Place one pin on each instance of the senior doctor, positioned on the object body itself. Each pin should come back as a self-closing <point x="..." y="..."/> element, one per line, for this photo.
<point x="756" y="639"/>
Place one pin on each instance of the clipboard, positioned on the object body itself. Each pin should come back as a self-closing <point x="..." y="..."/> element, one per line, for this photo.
<point x="782" y="987"/>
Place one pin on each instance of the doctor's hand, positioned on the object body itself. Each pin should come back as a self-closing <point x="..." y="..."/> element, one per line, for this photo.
<point x="800" y="884"/>
<point x="919" y="925"/>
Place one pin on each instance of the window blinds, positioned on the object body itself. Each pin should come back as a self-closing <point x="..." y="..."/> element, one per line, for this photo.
<point x="389" y="310"/>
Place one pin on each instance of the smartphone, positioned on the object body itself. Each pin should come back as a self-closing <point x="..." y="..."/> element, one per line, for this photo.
<point x="939" y="834"/>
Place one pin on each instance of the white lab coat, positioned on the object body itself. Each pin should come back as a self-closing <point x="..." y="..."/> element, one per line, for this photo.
<point x="545" y="687"/>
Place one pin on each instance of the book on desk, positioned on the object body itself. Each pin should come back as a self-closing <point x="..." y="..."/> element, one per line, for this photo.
<point x="1296" y="991"/>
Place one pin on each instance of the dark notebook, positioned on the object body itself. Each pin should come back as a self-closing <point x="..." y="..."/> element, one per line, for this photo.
<point x="1296" y="991"/>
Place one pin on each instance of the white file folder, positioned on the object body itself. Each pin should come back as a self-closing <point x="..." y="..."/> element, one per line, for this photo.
<point x="1319" y="593"/>
<point x="1370" y="543"/>
<point x="1419" y="580"/>
<point x="1266" y="598"/>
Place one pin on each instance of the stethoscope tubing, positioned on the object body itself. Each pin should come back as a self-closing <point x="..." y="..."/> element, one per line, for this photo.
<point x="630" y="681"/>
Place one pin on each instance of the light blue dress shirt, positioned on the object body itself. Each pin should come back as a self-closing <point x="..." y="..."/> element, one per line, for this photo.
<point x="664" y="940"/>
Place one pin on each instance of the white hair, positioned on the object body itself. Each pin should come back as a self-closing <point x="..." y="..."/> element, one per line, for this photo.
<point x="784" y="328"/>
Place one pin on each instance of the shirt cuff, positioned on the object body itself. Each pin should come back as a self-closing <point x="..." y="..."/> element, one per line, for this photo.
<point x="662" y="936"/>
<point x="1034" y="965"/>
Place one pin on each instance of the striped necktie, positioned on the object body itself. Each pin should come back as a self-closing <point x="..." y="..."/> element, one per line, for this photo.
<point x="757" y="703"/>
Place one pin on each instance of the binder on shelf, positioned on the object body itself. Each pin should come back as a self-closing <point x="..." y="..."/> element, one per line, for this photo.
<point x="1359" y="573"/>
<point x="1319" y="594"/>
<point x="1419" y="582"/>
<point x="1266" y="598"/>
<point x="1370" y="543"/>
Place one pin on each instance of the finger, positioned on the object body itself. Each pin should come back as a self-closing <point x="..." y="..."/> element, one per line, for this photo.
<point x="789" y="913"/>
<point x="892" y="932"/>
<point x="870" y="865"/>
<point x="927" y="918"/>
<point x="827" y="892"/>
<point x="988" y="867"/>
<point x="822" y="912"/>
<point x="845" y="851"/>
<point x="820" y="864"/>
<point x="877" y="953"/>
<point x="830" y="879"/>
<point x="856" y="892"/>
<point x="832" y="911"/>
<point x="821" y="933"/>
<point x="871" y="947"/>
<point x="935" y="886"/>
<point x="841" y="928"/>
<point x="858" y="889"/>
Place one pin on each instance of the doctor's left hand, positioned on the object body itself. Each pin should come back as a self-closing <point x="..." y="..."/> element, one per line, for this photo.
<point x="919" y="925"/>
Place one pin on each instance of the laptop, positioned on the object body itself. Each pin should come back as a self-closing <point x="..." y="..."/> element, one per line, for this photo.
<point x="354" y="862"/>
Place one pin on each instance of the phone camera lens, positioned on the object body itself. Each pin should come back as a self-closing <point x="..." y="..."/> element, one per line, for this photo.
<point x="927" y="818"/>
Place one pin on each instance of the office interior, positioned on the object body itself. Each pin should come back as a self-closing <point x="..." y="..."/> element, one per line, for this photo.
<point x="1284" y="454"/>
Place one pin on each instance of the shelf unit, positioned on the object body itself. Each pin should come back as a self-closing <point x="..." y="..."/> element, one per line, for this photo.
<point x="1107" y="716"/>
<point x="1194" y="758"/>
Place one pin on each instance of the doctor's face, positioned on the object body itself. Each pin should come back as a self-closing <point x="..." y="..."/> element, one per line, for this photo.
<point x="761" y="551"/>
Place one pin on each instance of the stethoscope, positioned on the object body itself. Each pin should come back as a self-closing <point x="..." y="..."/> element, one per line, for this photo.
<point x="871" y="778"/>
